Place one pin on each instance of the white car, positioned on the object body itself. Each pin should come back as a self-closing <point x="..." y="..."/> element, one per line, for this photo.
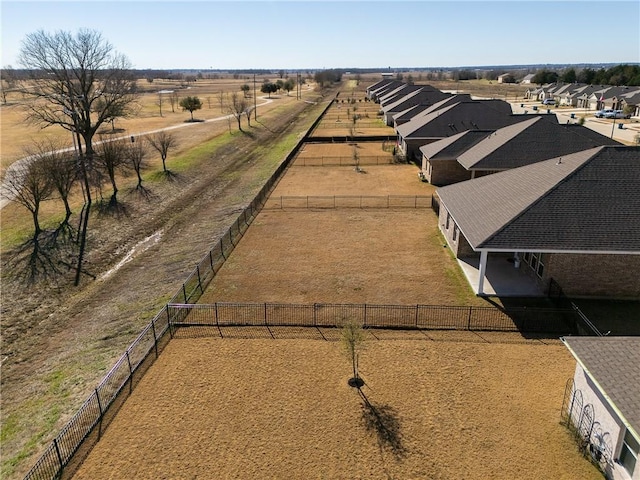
<point x="603" y="113"/>
<point x="616" y="114"/>
<point x="548" y="101"/>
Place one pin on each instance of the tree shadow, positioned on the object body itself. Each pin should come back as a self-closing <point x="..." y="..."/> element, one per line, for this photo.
<point x="45" y="258"/>
<point x="195" y="120"/>
<point x="251" y="135"/>
<point x="112" y="208"/>
<point x="143" y="193"/>
<point x="382" y="420"/>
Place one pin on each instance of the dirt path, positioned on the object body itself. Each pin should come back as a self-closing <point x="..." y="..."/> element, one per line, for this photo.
<point x="58" y="343"/>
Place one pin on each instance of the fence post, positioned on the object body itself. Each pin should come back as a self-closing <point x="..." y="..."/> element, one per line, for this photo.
<point x="184" y="293"/>
<point x="101" y="414"/>
<point x="215" y="307"/>
<point x="364" y="322"/>
<point x="266" y="324"/>
<point x="55" y="444"/>
<point x="199" y="279"/>
<point x="155" y="338"/>
<point x="222" y="249"/>
<point x="315" y="315"/>
<point x="130" y="373"/>
<point x="469" y="319"/>
<point x="417" y="309"/>
<point x="211" y="259"/>
<point x="231" y="237"/>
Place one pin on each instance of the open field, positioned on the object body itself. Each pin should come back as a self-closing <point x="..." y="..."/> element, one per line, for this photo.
<point x="16" y="133"/>
<point x="240" y="408"/>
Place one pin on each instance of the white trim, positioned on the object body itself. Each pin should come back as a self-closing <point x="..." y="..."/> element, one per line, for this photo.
<point x="535" y="249"/>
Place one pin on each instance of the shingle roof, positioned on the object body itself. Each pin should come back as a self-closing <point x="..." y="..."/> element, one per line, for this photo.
<point x="397" y="93"/>
<point x="614" y="363"/>
<point x="588" y="201"/>
<point x="450" y="148"/>
<point x="418" y="97"/>
<point x="539" y="138"/>
<point x="458" y="117"/>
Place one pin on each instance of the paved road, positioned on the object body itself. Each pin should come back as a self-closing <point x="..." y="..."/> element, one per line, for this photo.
<point x="626" y="134"/>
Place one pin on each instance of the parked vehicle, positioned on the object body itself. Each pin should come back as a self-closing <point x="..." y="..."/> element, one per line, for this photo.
<point x="603" y="113"/>
<point x="548" y="101"/>
<point x="616" y="114"/>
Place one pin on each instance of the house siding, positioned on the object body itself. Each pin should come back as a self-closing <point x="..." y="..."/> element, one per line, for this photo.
<point x="594" y="275"/>
<point x="609" y="422"/>
<point x="444" y="172"/>
<point x="459" y="246"/>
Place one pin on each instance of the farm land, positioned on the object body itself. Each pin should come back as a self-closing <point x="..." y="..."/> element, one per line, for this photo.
<point x="218" y="171"/>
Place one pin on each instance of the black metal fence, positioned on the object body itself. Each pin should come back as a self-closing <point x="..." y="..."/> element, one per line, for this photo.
<point x="333" y="161"/>
<point x="582" y="325"/>
<point x="76" y="439"/>
<point x="348" y="201"/>
<point x="434" y="317"/>
<point x="84" y="429"/>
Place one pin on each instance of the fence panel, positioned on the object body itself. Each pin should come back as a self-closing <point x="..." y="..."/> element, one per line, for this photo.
<point x="331" y="315"/>
<point x="390" y="316"/>
<point x="289" y="315"/>
<point x="47" y="467"/>
<point x="77" y="429"/>
<point x="443" y="317"/>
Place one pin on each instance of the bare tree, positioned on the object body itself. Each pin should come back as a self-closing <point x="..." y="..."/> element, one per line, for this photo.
<point x="7" y="82"/>
<point x="173" y="99"/>
<point x="61" y="168"/>
<point x="136" y="153"/>
<point x="162" y="142"/>
<point x="78" y="82"/>
<point x="28" y="184"/>
<point x="159" y="103"/>
<point x="237" y="106"/>
<point x="353" y="339"/>
<point x="112" y="159"/>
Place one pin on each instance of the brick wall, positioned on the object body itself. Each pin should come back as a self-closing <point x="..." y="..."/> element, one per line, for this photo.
<point x="459" y="246"/>
<point x="445" y="172"/>
<point x="595" y="275"/>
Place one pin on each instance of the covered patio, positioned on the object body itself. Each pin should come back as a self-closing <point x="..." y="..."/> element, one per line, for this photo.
<point x="501" y="277"/>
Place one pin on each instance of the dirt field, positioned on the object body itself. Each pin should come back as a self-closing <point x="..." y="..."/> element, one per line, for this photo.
<point x="234" y="408"/>
<point x="353" y="255"/>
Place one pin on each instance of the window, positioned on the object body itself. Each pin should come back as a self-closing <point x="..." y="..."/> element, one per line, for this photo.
<point x="540" y="268"/>
<point x="455" y="232"/>
<point x="629" y="452"/>
<point x="448" y="221"/>
<point x="527" y="257"/>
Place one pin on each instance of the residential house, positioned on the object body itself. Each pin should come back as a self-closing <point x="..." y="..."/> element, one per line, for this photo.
<point x="449" y="117"/>
<point x="378" y="85"/>
<point x="604" y="406"/>
<point x="630" y="101"/>
<point x="506" y="78"/>
<point x="537" y="138"/>
<point x="527" y="78"/>
<point x="574" y="219"/>
<point x="426" y="95"/>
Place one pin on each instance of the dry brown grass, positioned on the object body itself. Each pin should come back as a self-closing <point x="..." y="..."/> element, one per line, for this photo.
<point x="16" y="133"/>
<point x="378" y="256"/>
<point x="233" y="408"/>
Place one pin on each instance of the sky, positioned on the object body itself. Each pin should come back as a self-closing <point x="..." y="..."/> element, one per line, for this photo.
<point x="279" y="34"/>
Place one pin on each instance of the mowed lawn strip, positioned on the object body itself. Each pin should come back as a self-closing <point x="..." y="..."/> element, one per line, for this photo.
<point x="212" y="408"/>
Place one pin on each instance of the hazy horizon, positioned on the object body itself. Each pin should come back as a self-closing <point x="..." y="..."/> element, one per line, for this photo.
<point x="311" y="35"/>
